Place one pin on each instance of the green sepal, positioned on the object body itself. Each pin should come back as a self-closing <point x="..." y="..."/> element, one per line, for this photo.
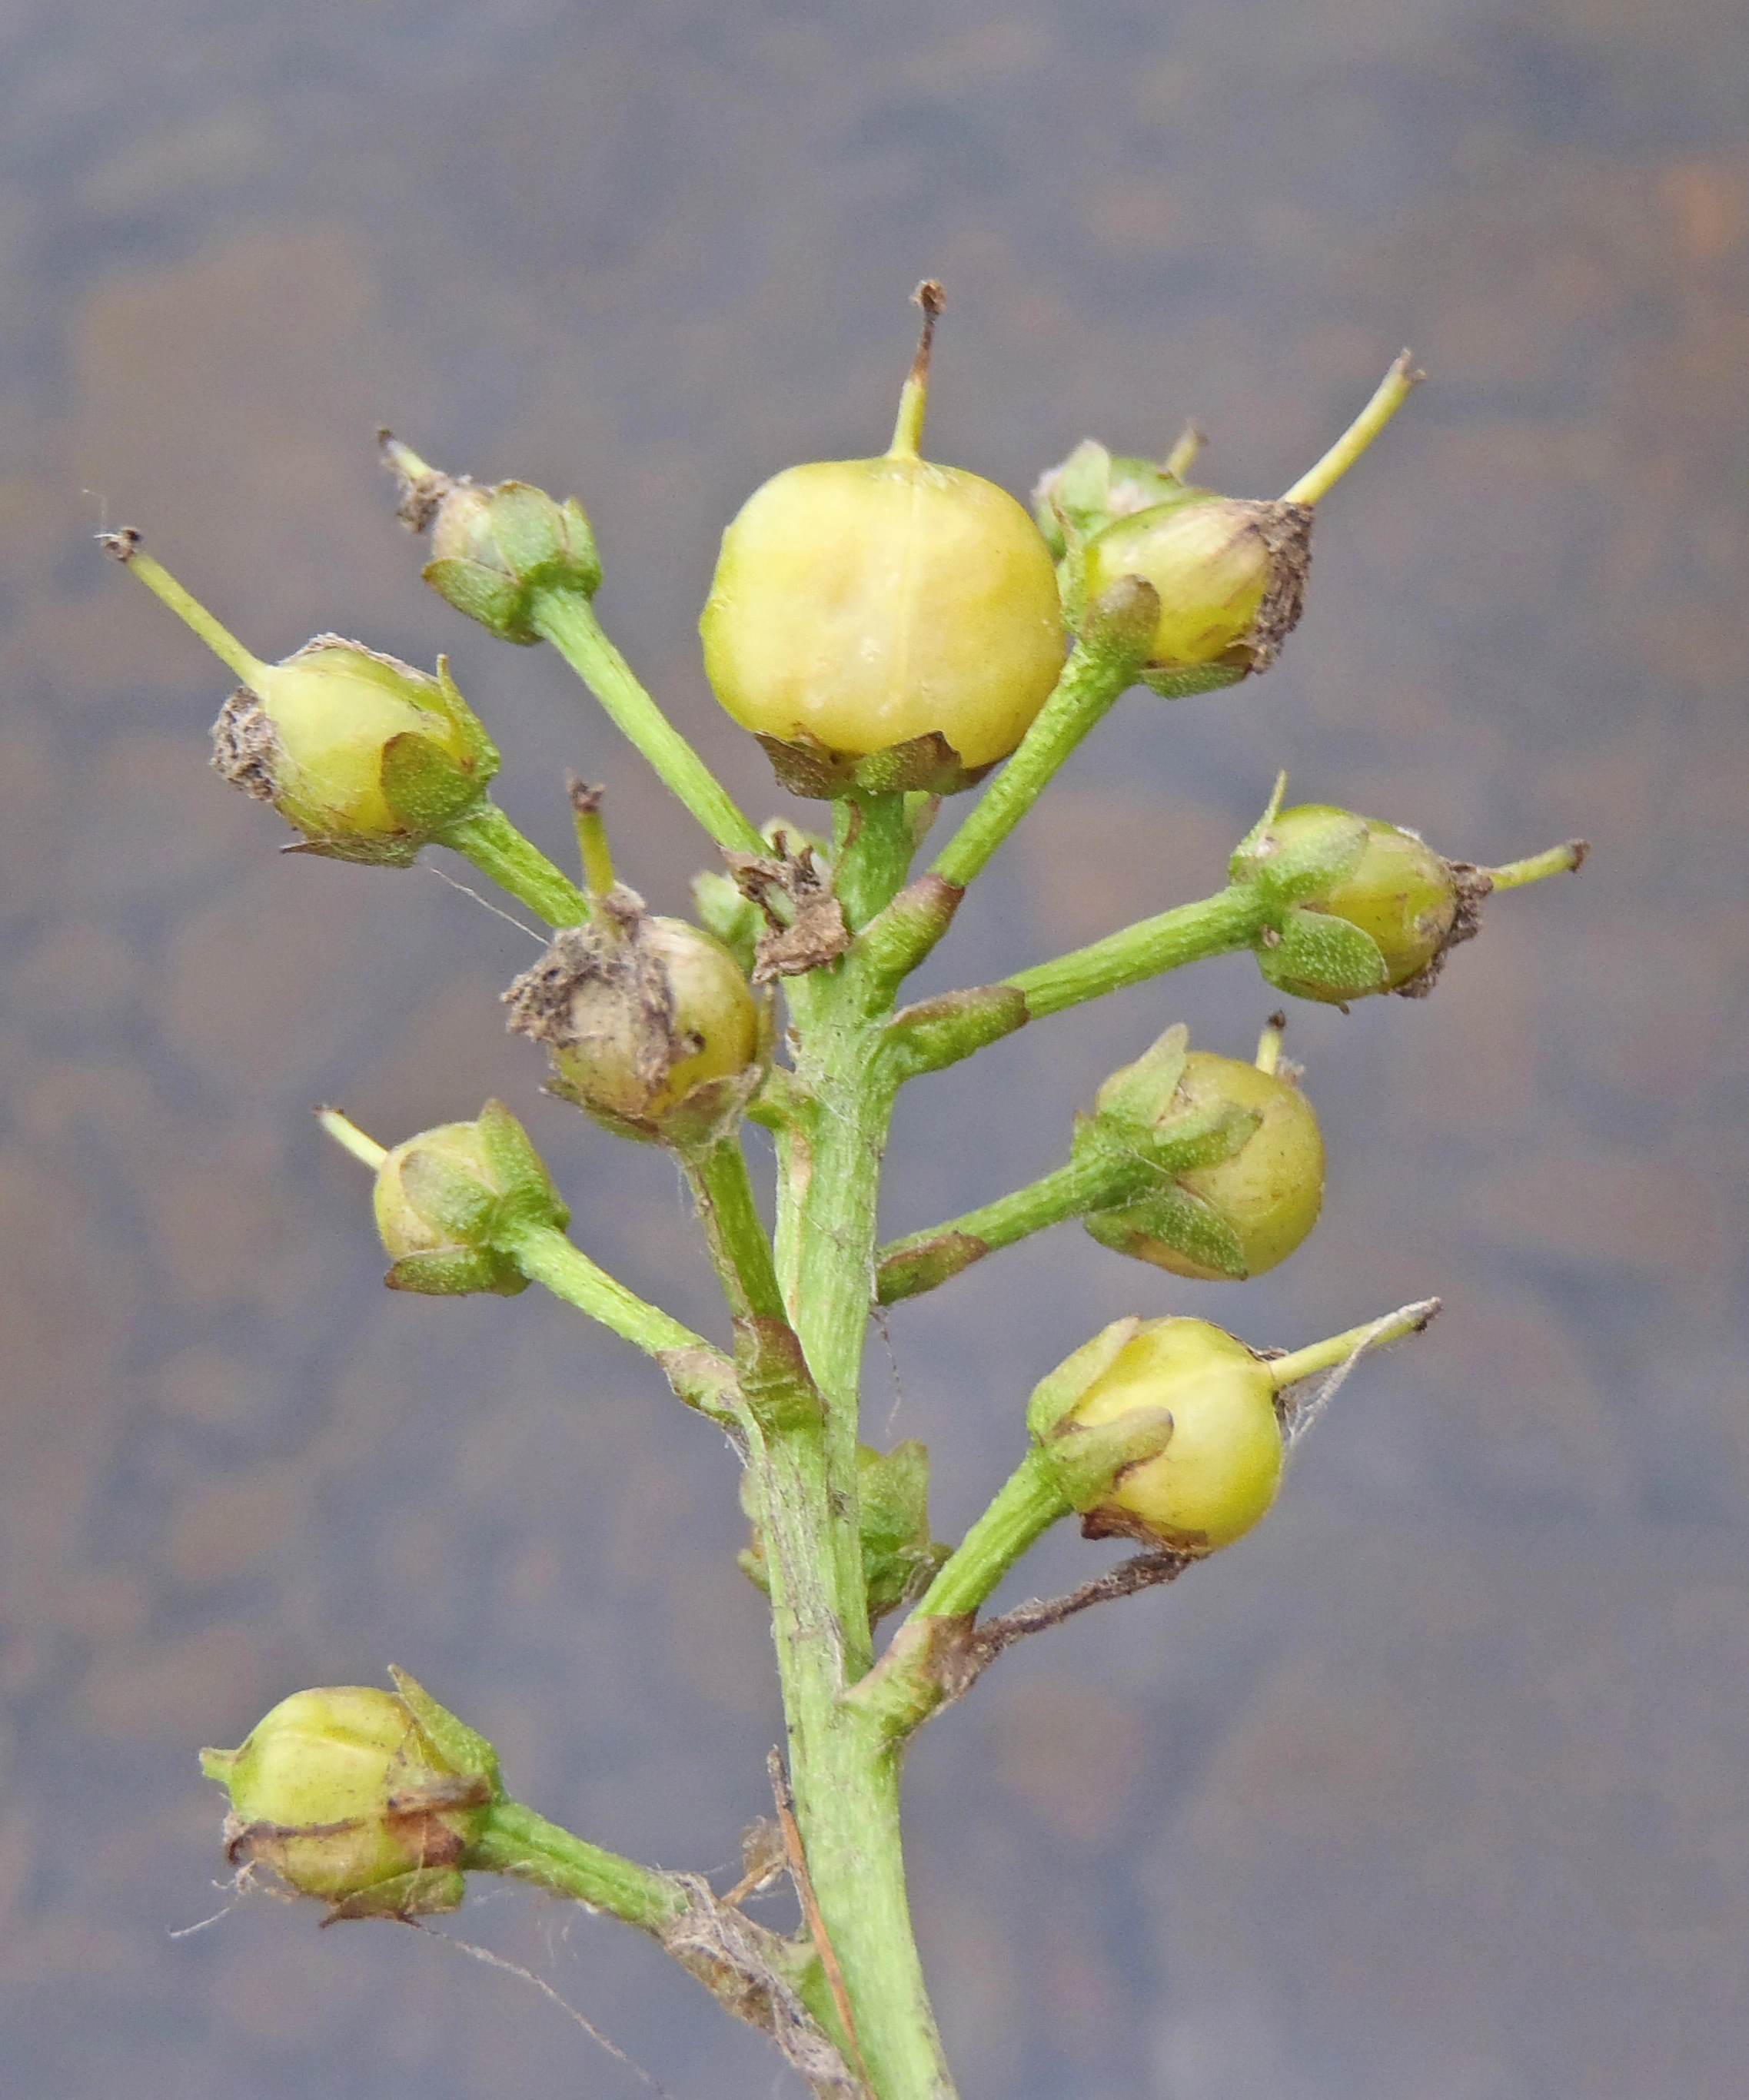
<point x="1117" y="629"/>
<point x="497" y="602"/>
<point x="899" y="1558"/>
<point x="527" y="1195"/>
<point x="734" y="918"/>
<point x="456" y="1744"/>
<point x="1058" y="1391"/>
<point x="926" y="765"/>
<point x="1085" y="1463"/>
<point x="456" y="1273"/>
<point x="450" y="1199"/>
<point x="424" y="785"/>
<point x="526" y="528"/>
<point x="1195" y="1137"/>
<point x="1140" y="1092"/>
<point x="1316" y="948"/>
<point x="482" y="753"/>
<point x="1190" y="678"/>
<point x="1324" y="856"/>
<point x="1181" y="1221"/>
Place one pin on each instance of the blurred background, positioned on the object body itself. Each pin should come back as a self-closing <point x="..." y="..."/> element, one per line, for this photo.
<point x="1435" y="1788"/>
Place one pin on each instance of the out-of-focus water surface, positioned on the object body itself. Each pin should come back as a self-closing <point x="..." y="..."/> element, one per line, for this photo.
<point x="1438" y="1788"/>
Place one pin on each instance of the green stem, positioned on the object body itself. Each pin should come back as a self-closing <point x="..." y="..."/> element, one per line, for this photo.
<point x="1095" y="1181"/>
<point x="1213" y="926"/>
<point x="567" y="619"/>
<point x="487" y="838"/>
<point x="843" y="1770"/>
<point x="1098" y="672"/>
<point x="926" y="1657"/>
<point x="702" y="1376"/>
<point x="865" y="880"/>
<point x="1026" y="1506"/>
<point x="517" y="1842"/>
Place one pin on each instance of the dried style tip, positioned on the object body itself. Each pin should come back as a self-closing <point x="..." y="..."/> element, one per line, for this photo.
<point x="649" y="1022"/>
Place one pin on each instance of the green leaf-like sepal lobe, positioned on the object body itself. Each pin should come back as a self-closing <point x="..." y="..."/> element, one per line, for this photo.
<point x="1057" y="1392"/>
<point x="1178" y="1220"/>
<point x="1315" y="948"/>
<point x="1086" y="1463"/>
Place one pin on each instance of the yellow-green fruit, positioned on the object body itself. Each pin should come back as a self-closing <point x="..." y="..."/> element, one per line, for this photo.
<point x="405" y="1229"/>
<point x="346" y="1791"/>
<point x="1218" y="1474"/>
<point x="333" y="706"/>
<point x="1401" y="892"/>
<point x="1210" y="561"/>
<point x="1269" y="1191"/>
<point x="624" y="1061"/>
<point x="866" y="602"/>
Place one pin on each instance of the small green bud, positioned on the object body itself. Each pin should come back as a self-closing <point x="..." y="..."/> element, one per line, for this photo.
<point x="368" y="1800"/>
<point x="1221" y="1463"/>
<point x="650" y="1023"/>
<point x="494" y="549"/>
<point x="440" y="1198"/>
<point x="884" y="623"/>
<point x="1092" y="487"/>
<point x="1230" y="575"/>
<point x="1242" y="1211"/>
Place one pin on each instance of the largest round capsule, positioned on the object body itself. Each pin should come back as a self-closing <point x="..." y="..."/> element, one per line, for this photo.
<point x="859" y="604"/>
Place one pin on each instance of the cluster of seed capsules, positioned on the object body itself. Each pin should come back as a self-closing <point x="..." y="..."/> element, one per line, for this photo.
<point x="884" y="625"/>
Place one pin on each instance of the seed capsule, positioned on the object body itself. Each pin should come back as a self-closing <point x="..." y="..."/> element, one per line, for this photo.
<point x="1266" y="1195"/>
<point x="642" y="1018"/>
<point x="1230" y="575"/>
<point x="1400" y="893"/>
<point x="859" y="605"/>
<point x="346" y="1796"/>
<point x="1219" y="1471"/>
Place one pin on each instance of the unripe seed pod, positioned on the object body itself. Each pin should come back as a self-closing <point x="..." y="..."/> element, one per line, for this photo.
<point x="346" y="1796"/>
<point x="859" y="605"/>
<point x="1230" y="575"/>
<point x="440" y="1196"/>
<point x="1401" y="893"/>
<point x="321" y="736"/>
<point x="1219" y="1471"/>
<point x="642" y="1016"/>
<point x="1266" y="1194"/>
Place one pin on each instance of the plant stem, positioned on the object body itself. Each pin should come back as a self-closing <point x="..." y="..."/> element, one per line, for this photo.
<point x="517" y="1842"/>
<point x="926" y="1657"/>
<point x="702" y="1376"/>
<point x="1024" y="1507"/>
<point x="843" y="1770"/>
<point x="1213" y="926"/>
<point x="567" y="619"/>
<point x="1095" y="1181"/>
<point x="487" y="838"/>
<point x="1101" y="667"/>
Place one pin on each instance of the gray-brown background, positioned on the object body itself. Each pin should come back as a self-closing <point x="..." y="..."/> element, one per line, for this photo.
<point x="1438" y="1789"/>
